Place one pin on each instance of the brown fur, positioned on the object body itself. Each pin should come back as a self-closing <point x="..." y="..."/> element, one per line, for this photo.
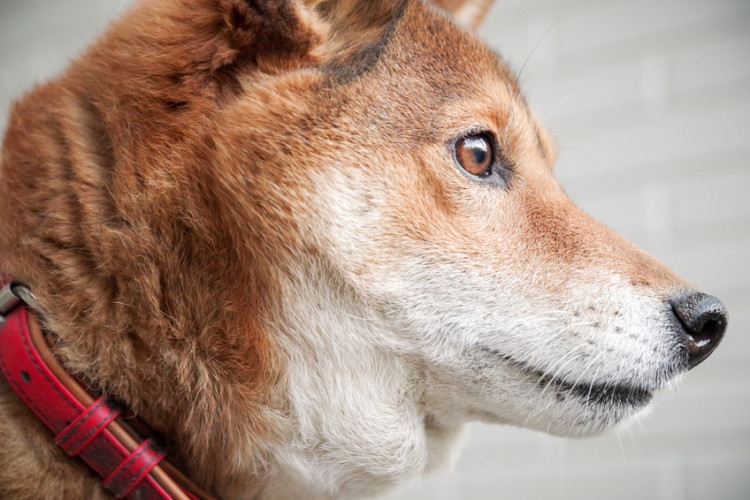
<point x="154" y="278"/>
<point x="151" y="197"/>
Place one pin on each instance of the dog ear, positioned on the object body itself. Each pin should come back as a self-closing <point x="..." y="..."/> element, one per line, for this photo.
<point x="282" y="30"/>
<point x="189" y="54"/>
<point x="302" y="30"/>
<point x="470" y="13"/>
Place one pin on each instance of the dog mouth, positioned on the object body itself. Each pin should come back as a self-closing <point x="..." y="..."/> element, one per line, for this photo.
<point x="590" y="393"/>
<point x="593" y="393"/>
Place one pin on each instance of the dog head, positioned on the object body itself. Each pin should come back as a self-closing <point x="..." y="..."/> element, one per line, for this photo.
<point x="327" y="233"/>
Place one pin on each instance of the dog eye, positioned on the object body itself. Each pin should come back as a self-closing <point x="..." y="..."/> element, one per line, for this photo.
<point x="474" y="154"/>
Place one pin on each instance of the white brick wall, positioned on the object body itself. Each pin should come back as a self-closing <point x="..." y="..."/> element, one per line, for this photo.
<point x="649" y="101"/>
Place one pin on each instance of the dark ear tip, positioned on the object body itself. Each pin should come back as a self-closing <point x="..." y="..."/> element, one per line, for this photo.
<point x="270" y="27"/>
<point x="235" y="14"/>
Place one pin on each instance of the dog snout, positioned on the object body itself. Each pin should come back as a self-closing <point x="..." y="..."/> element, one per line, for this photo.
<point x="704" y="319"/>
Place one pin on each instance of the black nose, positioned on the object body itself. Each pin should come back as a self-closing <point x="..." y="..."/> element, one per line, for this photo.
<point x="704" y="320"/>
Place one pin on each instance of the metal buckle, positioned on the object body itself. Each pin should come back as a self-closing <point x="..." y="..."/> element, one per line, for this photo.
<point x="11" y="296"/>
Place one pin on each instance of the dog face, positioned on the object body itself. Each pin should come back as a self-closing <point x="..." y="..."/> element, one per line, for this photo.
<point x="516" y="306"/>
<point x="344" y="239"/>
<point x="520" y="307"/>
<point x="450" y="270"/>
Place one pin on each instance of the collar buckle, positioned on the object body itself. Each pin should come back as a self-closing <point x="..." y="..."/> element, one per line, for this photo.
<point x="13" y="295"/>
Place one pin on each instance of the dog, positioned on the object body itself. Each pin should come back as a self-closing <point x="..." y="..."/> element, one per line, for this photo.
<point x="307" y="241"/>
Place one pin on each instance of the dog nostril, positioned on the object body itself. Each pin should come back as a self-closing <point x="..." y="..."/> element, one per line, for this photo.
<point x="704" y="320"/>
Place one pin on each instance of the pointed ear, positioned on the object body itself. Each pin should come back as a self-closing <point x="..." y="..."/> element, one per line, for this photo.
<point x="194" y="48"/>
<point x="470" y="13"/>
<point x="357" y="29"/>
<point x="311" y="30"/>
<point x="275" y="29"/>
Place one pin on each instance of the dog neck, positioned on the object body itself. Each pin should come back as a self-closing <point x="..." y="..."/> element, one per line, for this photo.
<point x="353" y="432"/>
<point x="93" y="430"/>
<point x="356" y="403"/>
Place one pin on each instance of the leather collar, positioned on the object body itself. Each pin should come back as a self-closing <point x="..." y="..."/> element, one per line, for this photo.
<point x="83" y="426"/>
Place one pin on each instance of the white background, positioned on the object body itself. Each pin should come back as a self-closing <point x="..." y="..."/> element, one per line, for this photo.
<point x="649" y="103"/>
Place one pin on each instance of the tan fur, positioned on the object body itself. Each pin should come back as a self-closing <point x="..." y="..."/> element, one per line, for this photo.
<point x="159" y="195"/>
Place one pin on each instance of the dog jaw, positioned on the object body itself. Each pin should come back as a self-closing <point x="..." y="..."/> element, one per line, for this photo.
<point x="570" y="355"/>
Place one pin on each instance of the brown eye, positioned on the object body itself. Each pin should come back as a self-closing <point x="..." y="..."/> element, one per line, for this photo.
<point x="474" y="154"/>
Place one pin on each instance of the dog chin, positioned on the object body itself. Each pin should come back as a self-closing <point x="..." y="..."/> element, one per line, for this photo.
<point x="590" y="409"/>
<point x="567" y="407"/>
<point x="581" y="410"/>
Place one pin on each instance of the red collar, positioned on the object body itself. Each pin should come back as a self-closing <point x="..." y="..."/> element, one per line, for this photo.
<point x="83" y="427"/>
